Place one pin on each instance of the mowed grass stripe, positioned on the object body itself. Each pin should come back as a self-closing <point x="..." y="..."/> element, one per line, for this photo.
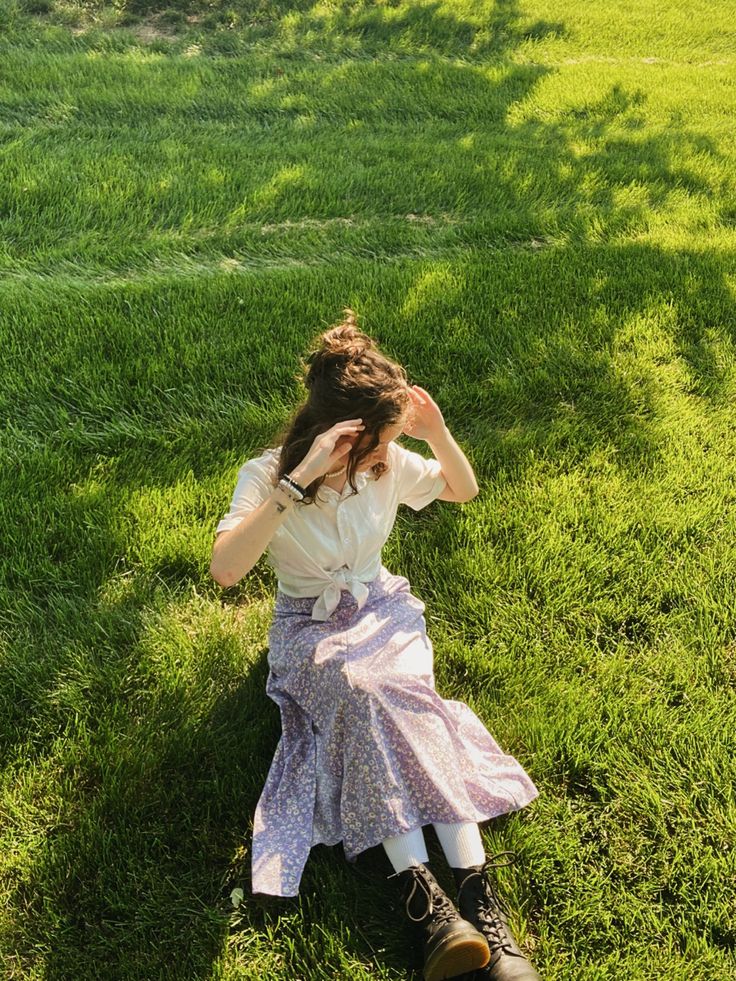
<point x="182" y="154"/>
<point x="285" y="252"/>
<point x="474" y="30"/>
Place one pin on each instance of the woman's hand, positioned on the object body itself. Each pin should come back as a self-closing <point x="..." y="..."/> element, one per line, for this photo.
<point x="425" y="418"/>
<point x="329" y="450"/>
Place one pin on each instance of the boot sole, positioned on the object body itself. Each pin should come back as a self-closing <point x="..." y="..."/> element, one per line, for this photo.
<point x="457" y="955"/>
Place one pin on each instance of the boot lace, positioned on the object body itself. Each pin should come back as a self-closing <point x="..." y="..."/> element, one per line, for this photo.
<point x="491" y="910"/>
<point x="438" y="905"/>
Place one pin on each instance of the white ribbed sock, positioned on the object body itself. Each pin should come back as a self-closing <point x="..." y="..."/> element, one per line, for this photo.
<point x="406" y="850"/>
<point x="461" y="843"/>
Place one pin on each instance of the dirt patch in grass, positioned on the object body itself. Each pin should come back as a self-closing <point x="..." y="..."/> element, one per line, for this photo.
<point x="150" y="31"/>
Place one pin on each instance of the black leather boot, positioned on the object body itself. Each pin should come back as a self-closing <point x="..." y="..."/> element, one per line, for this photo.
<point x="479" y="903"/>
<point x="450" y="945"/>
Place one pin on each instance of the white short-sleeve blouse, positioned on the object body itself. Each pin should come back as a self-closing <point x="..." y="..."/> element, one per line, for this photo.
<point x="335" y="543"/>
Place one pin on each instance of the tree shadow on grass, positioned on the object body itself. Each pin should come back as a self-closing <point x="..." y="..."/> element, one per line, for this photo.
<point x="157" y="801"/>
<point x="489" y="29"/>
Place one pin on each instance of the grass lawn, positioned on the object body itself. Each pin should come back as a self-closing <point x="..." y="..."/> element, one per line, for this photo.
<point x="533" y="208"/>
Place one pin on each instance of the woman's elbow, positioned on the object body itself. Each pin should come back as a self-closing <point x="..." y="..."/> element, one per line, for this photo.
<point x="220" y="576"/>
<point x="469" y="496"/>
<point x="224" y="575"/>
<point x="220" y="572"/>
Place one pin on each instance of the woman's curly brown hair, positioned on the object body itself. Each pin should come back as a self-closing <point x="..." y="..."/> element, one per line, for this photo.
<point x="346" y="377"/>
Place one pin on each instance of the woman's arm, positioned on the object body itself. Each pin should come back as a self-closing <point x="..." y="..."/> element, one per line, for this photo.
<point x="428" y="424"/>
<point x="237" y="550"/>
<point x="461" y="483"/>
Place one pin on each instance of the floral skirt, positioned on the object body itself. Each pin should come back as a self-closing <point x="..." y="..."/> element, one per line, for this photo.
<point x="368" y="749"/>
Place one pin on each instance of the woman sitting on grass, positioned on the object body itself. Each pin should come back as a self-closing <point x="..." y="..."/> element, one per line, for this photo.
<point x="369" y="752"/>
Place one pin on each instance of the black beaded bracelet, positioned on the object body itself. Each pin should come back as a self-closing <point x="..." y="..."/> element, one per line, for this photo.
<point x="297" y="487"/>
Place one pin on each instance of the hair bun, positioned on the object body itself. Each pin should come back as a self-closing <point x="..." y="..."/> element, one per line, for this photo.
<point x="338" y="346"/>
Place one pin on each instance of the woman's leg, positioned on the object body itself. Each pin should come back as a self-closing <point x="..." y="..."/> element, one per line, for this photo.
<point x="450" y="945"/>
<point x="461" y="843"/>
<point x="479" y="903"/>
<point x="406" y="850"/>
